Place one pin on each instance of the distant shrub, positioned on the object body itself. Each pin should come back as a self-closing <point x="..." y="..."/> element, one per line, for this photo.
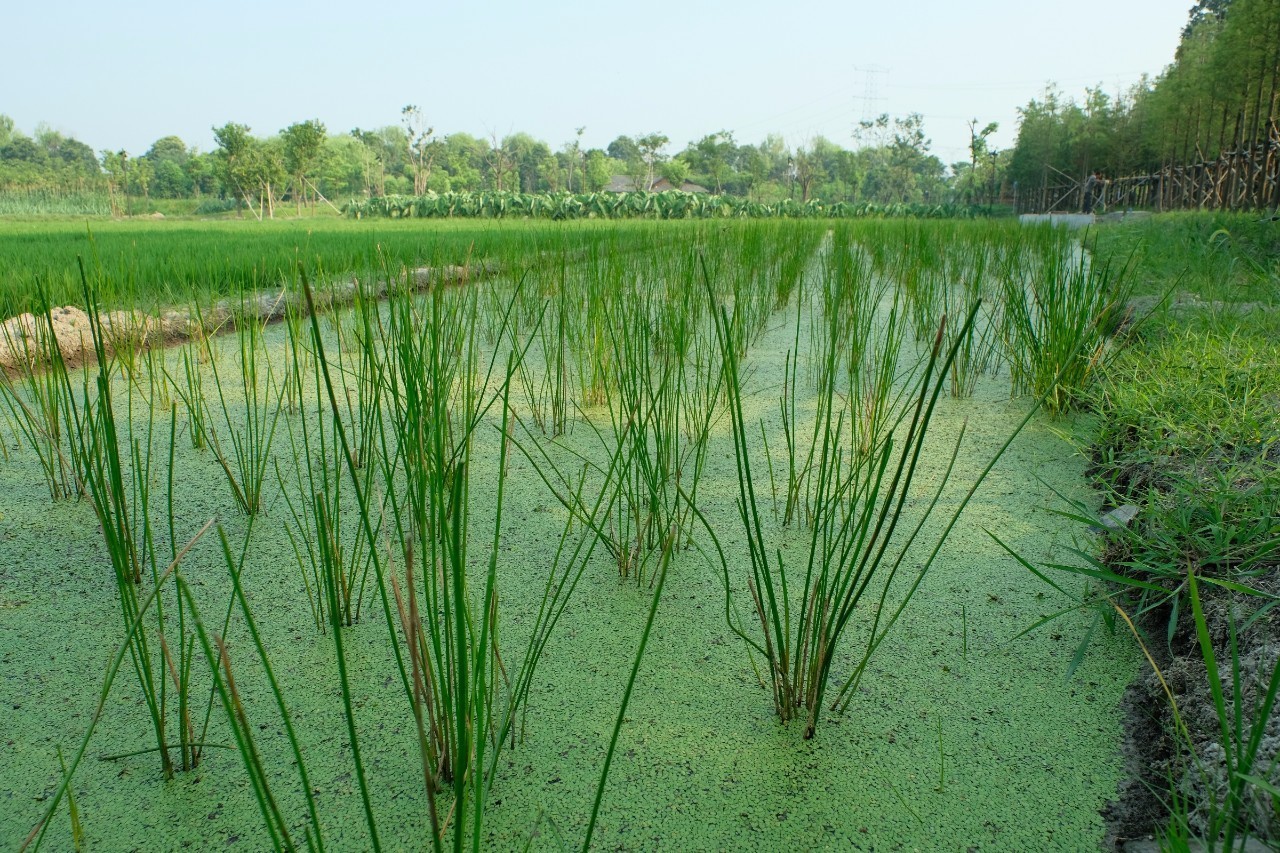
<point x="212" y="206"/>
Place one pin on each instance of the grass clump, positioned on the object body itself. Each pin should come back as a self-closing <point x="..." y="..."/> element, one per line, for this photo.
<point x="1190" y="432"/>
<point x="1058" y="311"/>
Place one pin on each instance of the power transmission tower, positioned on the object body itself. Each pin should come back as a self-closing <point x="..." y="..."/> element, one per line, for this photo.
<point x="870" y="89"/>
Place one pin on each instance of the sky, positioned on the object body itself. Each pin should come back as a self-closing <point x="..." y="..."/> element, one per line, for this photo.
<point x="123" y="75"/>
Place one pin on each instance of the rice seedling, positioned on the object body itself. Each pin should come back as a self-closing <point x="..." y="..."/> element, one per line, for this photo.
<point x="942" y="270"/>
<point x="464" y="701"/>
<point x="360" y="381"/>
<point x="190" y="390"/>
<point x="171" y="263"/>
<point x="965" y="282"/>
<point x="798" y="467"/>
<point x="857" y="507"/>
<point x="121" y="499"/>
<point x="295" y="361"/>
<point x="856" y="344"/>
<point x="334" y="566"/>
<point x="40" y="403"/>
<point x="588" y="335"/>
<point x="247" y="456"/>
<point x="434" y="409"/>
<point x="550" y="399"/>
<point x="645" y="419"/>
<point x="1056" y="315"/>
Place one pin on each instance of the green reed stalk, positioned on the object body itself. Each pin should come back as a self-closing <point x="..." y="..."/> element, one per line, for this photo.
<point x="190" y="390"/>
<point x="454" y="672"/>
<point x="858" y="503"/>
<point x="123" y="513"/>
<point x="41" y="403"/>
<point x="251" y="436"/>
<point x="1056" y="313"/>
<point x="317" y="533"/>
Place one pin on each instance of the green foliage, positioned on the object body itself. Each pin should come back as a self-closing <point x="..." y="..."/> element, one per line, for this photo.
<point x="48" y="162"/>
<point x="49" y="202"/>
<point x="304" y="146"/>
<point x="1058" y="312"/>
<point x="1219" y="94"/>
<point x="892" y="165"/>
<point x="896" y="163"/>
<point x="1215" y="260"/>
<point x="671" y="204"/>
<point x="167" y="263"/>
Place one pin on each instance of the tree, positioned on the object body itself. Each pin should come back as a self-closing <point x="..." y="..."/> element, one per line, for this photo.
<point x="765" y="168"/>
<point x="397" y="171"/>
<point x="463" y="159"/>
<point x="115" y="164"/>
<point x="978" y="148"/>
<point x="808" y="169"/>
<point x="202" y="170"/>
<point x="168" y="148"/>
<point x="170" y="180"/>
<point x="895" y="164"/>
<point x="1218" y="97"/>
<point x="650" y="147"/>
<point x="372" y="167"/>
<point x="1205" y="10"/>
<point x="234" y="152"/>
<point x="501" y="164"/>
<point x="249" y="166"/>
<point x="167" y="157"/>
<point x="141" y="173"/>
<point x="628" y="155"/>
<point x="303" y="147"/>
<point x="711" y="158"/>
<point x="595" y="170"/>
<point x="340" y="170"/>
<point x="676" y="171"/>
<point x="623" y="149"/>
<point x="531" y="161"/>
<point x="24" y="149"/>
<point x="573" y="158"/>
<point x="422" y="148"/>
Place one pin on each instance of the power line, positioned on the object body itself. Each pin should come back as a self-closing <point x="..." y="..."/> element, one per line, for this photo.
<point x="772" y="118"/>
<point x="1013" y="84"/>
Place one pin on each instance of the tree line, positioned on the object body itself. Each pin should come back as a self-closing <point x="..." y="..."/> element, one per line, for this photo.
<point x="1221" y="93"/>
<point x="304" y="165"/>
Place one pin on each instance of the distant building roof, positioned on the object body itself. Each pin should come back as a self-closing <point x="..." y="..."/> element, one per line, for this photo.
<point x="623" y="184"/>
<point x="628" y="184"/>
<point x="662" y="185"/>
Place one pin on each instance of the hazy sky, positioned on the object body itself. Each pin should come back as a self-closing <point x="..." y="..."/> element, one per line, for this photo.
<point x="123" y="75"/>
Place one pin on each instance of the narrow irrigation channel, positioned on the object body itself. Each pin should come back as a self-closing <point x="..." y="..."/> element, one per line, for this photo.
<point x="493" y="483"/>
